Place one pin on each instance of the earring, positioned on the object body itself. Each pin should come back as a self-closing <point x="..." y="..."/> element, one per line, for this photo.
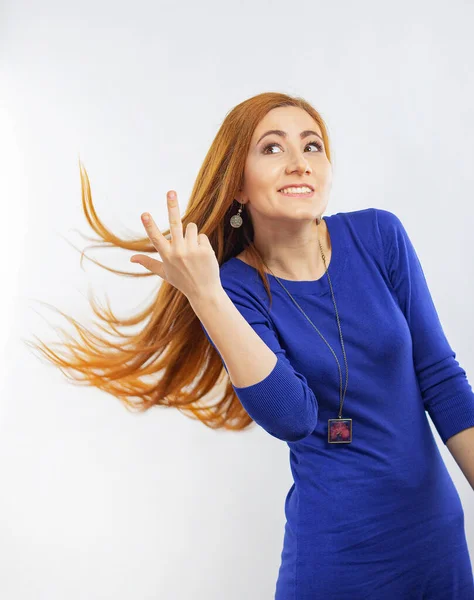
<point x="236" y="220"/>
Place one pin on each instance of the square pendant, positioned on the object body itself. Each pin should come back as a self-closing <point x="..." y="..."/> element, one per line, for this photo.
<point x="339" y="431"/>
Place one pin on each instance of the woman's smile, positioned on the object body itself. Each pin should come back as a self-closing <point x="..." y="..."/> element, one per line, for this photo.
<point x="298" y="194"/>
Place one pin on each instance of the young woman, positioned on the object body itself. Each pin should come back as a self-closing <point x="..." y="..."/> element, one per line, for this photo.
<point x="281" y="298"/>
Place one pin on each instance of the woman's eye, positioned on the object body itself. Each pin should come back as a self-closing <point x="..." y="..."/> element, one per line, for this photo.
<point x="313" y="143"/>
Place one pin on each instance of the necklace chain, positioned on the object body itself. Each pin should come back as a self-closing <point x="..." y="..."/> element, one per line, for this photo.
<point x="341" y="394"/>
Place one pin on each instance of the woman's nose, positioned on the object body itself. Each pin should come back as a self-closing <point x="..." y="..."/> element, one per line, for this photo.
<point x="300" y="164"/>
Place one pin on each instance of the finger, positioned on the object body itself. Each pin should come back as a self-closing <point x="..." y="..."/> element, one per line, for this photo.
<point x="176" y="227"/>
<point x="156" y="237"/>
<point x="155" y="266"/>
<point x="192" y="233"/>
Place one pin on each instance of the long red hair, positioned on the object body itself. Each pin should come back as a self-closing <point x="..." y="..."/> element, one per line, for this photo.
<point x="170" y="362"/>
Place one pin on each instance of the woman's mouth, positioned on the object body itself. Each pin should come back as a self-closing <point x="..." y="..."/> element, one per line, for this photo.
<point x="297" y="194"/>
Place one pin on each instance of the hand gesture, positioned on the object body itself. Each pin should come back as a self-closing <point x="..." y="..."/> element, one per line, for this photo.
<point x="189" y="263"/>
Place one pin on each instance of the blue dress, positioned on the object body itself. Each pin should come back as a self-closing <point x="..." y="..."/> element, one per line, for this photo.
<point x="380" y="517"/>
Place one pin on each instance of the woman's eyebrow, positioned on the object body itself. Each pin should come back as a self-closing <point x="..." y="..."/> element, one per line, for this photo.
<point x="281" y="133"/>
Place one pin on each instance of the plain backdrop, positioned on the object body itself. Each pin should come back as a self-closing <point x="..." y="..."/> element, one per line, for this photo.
<point x="100" y="503"/>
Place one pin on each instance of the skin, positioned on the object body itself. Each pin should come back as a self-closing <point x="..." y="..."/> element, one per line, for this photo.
<point x="285" y="231"/>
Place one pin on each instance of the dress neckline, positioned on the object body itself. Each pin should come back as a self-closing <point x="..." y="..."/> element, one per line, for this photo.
<point x="318" y="286"/>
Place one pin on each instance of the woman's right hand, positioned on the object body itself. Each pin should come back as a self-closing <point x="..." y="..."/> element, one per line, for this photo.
<point x="189" y="263"/>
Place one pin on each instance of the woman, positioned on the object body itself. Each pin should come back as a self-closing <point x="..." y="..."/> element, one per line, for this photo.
<point x="279" y="298"/>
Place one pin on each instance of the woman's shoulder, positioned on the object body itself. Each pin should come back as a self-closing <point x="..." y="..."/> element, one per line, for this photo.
<point x="243" y="257"/>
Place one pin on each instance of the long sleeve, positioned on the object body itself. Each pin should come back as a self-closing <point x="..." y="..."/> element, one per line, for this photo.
<point x="445" y="389"/>
<point x="283" y="403"/>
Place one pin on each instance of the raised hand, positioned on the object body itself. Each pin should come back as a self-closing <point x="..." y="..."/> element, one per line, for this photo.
<point x="188" y="262"/>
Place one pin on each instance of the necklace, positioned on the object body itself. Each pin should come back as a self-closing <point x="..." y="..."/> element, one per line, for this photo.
<point x="339" y="429"/>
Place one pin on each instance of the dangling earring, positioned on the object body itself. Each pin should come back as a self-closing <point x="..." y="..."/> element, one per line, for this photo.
<point x="236" y="220"/>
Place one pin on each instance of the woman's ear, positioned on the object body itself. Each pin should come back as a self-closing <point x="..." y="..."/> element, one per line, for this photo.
<point x="240" y="197"/>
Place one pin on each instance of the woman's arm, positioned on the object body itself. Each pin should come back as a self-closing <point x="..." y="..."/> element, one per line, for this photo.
<point x="461" y="447"/>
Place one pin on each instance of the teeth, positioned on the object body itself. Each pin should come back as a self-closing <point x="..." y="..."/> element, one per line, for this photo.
<point x="297" y="190"/>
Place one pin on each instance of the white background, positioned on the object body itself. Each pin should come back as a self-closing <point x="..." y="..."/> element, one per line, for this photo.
<point x="97" y="502"/>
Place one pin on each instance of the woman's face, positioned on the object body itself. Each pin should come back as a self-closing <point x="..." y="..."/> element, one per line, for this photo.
<point x="275" y="161"/>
